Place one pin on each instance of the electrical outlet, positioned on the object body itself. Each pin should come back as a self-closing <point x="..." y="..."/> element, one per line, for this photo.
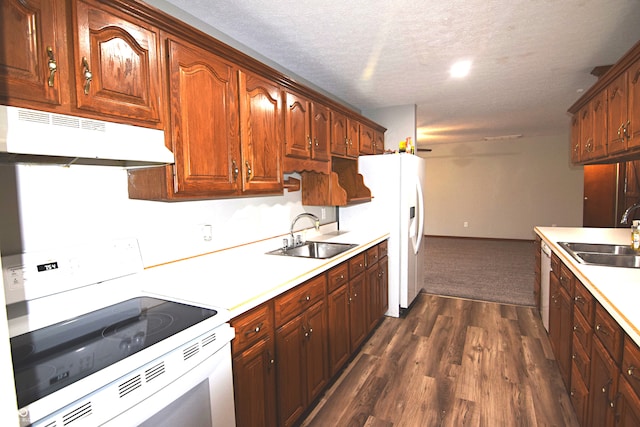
<point x="465" y="224"/>
<point x="323" y="213"/>
<point x="207" y="234"/>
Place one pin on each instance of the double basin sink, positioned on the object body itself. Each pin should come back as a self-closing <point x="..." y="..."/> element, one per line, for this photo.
<point x="317" y="250"/>
<point x="603" y="254"/>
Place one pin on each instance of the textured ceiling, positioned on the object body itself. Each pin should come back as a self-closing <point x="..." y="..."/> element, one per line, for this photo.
<point x="531" y="58"/>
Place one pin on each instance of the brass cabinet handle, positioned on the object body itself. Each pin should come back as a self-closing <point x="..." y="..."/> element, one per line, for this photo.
<point x="271" y="361"/>
<point x="630" y="371"/>
<point x="305" y="298"/>
<point x="315" y="140"/>
<point x="86" y="72"/>
<point x="309" y="141"/>
<point x="53" y="66"/>
<point x="579" y="299"/>
<point x="235" y="169"/>
<point x="625" y="129"/>
<point x="249" y="171"/>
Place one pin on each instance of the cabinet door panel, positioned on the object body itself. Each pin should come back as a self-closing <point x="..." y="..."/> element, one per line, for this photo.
<point x="28" y="29"/>
<point x="603" y="383"/>
<point x="617" y="115"/>
<point x="633" y="130"/>
<point x="290" y="371"/>
<point x="339" y="139"/>
<point x="339" y="348"/>
<point x="321" y="131"/>
<point x="297" y="130"/>
<point x="254" y="384"/>
<point x="122" y="58"/>
<point x="316" y="351"/>
<point x="353" y="135"/>
<point x="205" y="140"/>
<point x="628" y="406"/>
<point x="358" y="310"/>
<point x="261" y="130"/>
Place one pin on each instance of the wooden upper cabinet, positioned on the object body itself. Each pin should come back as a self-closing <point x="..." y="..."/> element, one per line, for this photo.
<point x="321" y="131"/>
<point x="261" y="131"/>
<point x="204" y="134"/>
<point x="378" y="143"/>
<point x="339" y="138"/>
<point x="593" y="128"/>
<point x="307" y="132"/>
<point x="297" y="126"/>
<point x="633" y="129"/>
<point x="617" y="103"/>
<point x="367" y="140"/>
<point x="575" y="138"/>
<point x="116" y="63"/>
<point x="353" y="136"/>
<point x="33" y="52"/>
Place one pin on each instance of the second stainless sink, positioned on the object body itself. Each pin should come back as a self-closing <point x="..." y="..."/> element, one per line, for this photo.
<point x="318" y="250"/>
<point x="603" y="254"/>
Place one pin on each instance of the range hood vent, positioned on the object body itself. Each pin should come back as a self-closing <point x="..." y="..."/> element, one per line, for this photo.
<point x="30" y="136"/>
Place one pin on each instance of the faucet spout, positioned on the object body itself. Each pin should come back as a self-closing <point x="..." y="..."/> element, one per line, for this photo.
<point x="316" y="224"/>
<point x="625" y="215"/>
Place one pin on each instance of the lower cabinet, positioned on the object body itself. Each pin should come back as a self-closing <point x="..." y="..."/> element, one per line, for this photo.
<point x="254" y="373"/>
<point x="604" y="363"/>
<point x="288" y="349"/>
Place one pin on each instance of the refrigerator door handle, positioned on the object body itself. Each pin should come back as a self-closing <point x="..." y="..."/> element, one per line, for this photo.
<point x="420" y="214"/>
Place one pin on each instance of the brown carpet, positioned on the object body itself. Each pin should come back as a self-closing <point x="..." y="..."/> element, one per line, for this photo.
<point x="480" y="269"/>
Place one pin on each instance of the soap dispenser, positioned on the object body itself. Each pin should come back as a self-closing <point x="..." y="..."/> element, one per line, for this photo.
<point x="635" y="234"/>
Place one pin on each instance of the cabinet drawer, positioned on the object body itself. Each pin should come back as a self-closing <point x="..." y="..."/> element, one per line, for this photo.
<point x="300" y="298"/>
<point x="580" y="360"/>
<point x="609" y="333"/>
<point x="356" y="265"/>
<point x="252" y="326"/>
<point x="382" y="249"/>
<point x="584" y="301"/>
<point x="631" y="364"/>
<point x="372" y="256"/>
<point x="337" y="276"/>
<point x="582" y="331"/>
<point x="566" y="278"/>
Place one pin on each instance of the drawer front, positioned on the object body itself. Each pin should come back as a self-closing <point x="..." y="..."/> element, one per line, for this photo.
<point x="356" y="265"/>
<point x="566" y="278"/>
<point x="584" y="301"/>
<point x="382" y="249"/>
<point x="581" y="360"/>
<point x="582" y="330"/>
<point x="300" y="298"/>
<point x="252" y="326"/>
<point x="337" y="276"/>
<point x="609" y="333"/>
<point x="372" y="256"/>
<point x="631" y="364"/>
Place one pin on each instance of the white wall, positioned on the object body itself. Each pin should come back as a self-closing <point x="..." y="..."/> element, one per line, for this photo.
<point x="502" y="188"/>
<point x="45" y="206"/>
<point x="399" y="120"/>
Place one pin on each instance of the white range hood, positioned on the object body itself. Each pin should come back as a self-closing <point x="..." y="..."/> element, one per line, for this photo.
<point x="39" y="137"/>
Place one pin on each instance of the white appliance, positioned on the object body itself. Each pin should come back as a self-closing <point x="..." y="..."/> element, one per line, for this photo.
<point x="38" y="136"/>
<point x="396" y="183"/>
<point x="545" y="270"/>
<point x="93" y="349"/>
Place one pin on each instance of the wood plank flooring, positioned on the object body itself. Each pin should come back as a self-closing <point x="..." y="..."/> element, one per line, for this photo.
<point x="451" y="362"/>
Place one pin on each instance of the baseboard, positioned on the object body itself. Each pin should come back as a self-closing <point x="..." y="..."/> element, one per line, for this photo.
<point x="498" y="239"/>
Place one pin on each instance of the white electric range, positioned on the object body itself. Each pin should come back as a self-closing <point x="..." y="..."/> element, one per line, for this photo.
<point x="90" y="348"/>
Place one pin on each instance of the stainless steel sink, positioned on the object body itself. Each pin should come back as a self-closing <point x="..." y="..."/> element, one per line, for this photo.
<point x="318" y="250"/>
<point x="603" y="254"/>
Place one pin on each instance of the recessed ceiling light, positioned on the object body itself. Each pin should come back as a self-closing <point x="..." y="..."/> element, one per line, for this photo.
<point x="460" y="69"/>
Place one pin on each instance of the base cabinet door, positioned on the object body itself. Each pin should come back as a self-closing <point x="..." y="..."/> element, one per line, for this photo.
<point x="604" y="378"/>
<point x="357" y="310"/>
<point x="627" y="405"/>
<point x="338" y="324"/>
<point x="290" y="362"/>
<point x="254" y="382"/>
<point x="316" y="351"/>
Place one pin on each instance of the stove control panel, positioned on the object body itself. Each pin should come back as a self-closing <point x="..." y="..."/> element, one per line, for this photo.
<point x="33" y="275"/>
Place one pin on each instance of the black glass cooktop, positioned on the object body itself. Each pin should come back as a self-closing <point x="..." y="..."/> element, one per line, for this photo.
<point x="48" y="359"/>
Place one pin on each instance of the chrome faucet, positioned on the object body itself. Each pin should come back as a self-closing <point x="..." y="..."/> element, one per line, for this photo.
<point x="625" y="215"/>
<point x="316" y="224"/>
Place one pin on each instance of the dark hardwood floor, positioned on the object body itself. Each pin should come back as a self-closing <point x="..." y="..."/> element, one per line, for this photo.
<point x="451" y="362"/>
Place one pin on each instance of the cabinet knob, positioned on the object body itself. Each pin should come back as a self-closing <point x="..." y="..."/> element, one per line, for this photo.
<point x="630" y="371"/>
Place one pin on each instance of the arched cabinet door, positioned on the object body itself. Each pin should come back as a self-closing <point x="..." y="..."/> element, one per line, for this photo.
<point x="116" y="65"/>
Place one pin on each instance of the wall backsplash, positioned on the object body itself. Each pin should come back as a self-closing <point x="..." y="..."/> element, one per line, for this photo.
<point x="45" y="207"/>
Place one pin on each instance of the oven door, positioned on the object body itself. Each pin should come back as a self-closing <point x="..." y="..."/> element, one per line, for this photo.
<point x="203" y="397"/>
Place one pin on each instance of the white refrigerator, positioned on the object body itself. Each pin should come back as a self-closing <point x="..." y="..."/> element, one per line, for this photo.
<point x="396" y="182"/>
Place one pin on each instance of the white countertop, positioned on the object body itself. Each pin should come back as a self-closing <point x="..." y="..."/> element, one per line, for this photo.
<point x="240" y="278"/>
<point x="617" y="289"/>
